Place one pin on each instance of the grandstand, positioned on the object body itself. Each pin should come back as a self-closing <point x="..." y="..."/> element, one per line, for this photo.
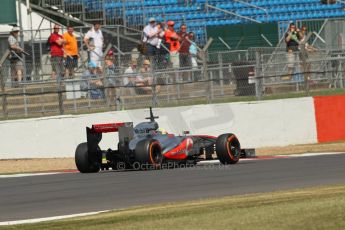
<point x="197" y="14"/>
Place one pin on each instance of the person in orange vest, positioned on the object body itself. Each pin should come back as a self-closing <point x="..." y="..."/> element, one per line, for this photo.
<point x="172" y="38"/>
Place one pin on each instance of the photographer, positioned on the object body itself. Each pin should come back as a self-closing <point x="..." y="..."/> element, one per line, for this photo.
<point x="15" y="56"/>
<point x="292" y="44"/>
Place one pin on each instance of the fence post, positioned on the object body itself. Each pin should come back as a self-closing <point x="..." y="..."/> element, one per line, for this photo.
<point x="177" y="83"/>
<point x="305" y="69"/>
<point x="25" y="101"/>
<point x="258" y="76"/>
<point x="60" y="97"/>
<point x="4" y="96"/>
<point x="154" y="88"/>
<point x="204" y="65"/>
<point x="221" y="75"/>
<point x="205" y="75"/>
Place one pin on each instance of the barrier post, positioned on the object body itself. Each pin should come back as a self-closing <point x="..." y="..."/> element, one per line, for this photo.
<point x="206" y="76"/>
<point x="4" y="96"/>
<point x="60" y="96"/>
<point x="221" y="75"/>
<point x="205" y="69"/>
<point x="258" y="76"/>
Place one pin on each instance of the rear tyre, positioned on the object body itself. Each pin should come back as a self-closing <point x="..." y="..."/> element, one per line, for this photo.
<point x="148" y="154"/>
<point x="228" y="148"/>
<point x="82" y="161"/>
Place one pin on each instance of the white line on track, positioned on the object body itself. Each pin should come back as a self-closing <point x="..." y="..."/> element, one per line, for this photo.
<point x="312" y="154"/>
<point x="30" y="221"/>
<point x="27" y="174"/>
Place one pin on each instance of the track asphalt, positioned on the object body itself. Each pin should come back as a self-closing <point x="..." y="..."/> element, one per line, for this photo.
<point x="70" y="193"/>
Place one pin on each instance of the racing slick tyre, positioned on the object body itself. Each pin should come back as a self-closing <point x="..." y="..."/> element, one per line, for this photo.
<point x="148" y="154"/>
<point x="228" y="148"/>
<point x="82" y="160"/>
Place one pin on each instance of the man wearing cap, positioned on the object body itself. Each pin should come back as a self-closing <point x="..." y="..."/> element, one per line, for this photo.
<point x="151" y="37"/>
<point x="92" y="82"/>
<point x="16" y="63"/>
<point x="172" y="38"/>
<point x="94" y="41"/>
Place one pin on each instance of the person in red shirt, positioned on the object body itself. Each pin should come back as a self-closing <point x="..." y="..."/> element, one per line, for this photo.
<point x="172" y="38"/>
<point x="56" y="42"/>
<point x="185" y="58"/>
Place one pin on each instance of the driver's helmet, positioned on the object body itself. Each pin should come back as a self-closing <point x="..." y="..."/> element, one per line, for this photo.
<point x="162" y="131"/>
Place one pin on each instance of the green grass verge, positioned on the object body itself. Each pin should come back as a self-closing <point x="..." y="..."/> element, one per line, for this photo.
<point x="311" y="208"/>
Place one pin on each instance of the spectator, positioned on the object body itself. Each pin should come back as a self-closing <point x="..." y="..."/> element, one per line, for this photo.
<point x="305" y="50"/>
<point x="15" y="61"/>
<point x="144" y="81"/>
<point x="111" y="73"/>
<point x="160" y="35"/>
<point x="71" y="52"/>
<point x="163" y="49"/>
<point x="130" y="74"/>
<point x="151" y="37"/>
<point x="184" y="55"/>
<point x="172" y="39"/>
<point x="92" y="83"/>
<point x="302" y="40"/>
<point x="110" y="70"/>
<point x="292" y="43"/>
<point x="56" y="42"/>
<point x="193" y="50"/>
<point x="94" y="41"/>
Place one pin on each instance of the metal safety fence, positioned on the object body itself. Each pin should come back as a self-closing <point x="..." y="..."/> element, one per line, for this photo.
<point x="138" y="81"/>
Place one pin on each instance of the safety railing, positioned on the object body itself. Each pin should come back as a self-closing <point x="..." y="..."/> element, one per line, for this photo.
<point x="131" y="83"/>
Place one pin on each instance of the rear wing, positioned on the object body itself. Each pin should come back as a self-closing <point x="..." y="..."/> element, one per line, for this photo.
<point x="94" y="134"/>
<point x="107" y="128"/>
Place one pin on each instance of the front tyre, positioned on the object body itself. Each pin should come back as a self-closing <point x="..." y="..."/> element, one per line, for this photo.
<point x="82" y="161"/>
<point x="149" y="153"/>
<point x="228" y="148"/>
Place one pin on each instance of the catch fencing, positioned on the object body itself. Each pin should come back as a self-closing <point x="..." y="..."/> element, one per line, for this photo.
<point x="128" y="83"/>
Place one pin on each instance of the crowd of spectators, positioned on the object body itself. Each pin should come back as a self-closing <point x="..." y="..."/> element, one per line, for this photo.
<point x="166" y="48"/>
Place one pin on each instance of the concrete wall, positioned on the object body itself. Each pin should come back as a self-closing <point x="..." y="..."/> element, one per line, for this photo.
<point x="257" y="124"/>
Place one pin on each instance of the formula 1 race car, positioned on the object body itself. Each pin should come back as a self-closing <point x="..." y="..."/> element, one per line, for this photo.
<point x="145" y="146"/>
